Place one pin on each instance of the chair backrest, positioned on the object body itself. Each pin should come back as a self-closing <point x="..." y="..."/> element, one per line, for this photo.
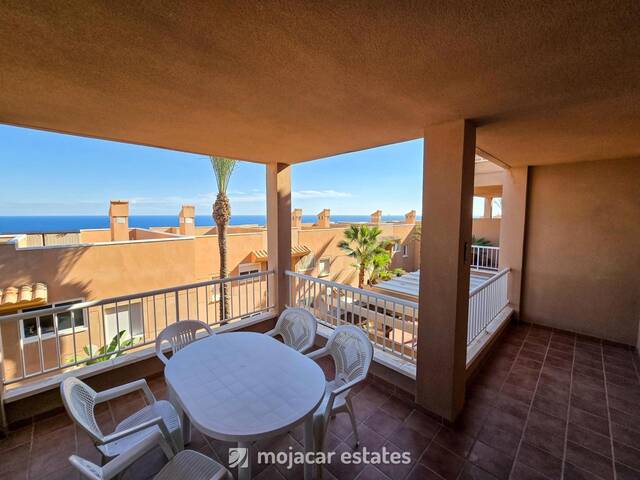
<point x="179" y="335"/>
<point x="297" y="327"/>
<point x="79" y="400"/>
<point x="351" y="351"/>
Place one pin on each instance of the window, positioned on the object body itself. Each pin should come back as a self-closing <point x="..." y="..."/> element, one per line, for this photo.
<point x="395" y="247"/>
<point x="46" y="324"/>
<point x="324" y="267"/>
<point x="306" y="263"/>
<point x="478" y="207"/>
<point x="128" y="318"/>
<point x="496" y="207"/>
<point x="248" y="268"/>
<point x="405" y="251"/>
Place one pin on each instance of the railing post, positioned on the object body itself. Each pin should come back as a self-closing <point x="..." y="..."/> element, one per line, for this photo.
<point x="178" y="306"/>
<point x="4" y="428"/>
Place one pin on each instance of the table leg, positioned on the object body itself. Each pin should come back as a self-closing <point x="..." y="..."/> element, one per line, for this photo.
<point x="309" y="447"/>
<point x="184" y="419"/>
<point x="244" y="472"/>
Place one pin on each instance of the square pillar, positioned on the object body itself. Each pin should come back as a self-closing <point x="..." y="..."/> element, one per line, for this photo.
<point x="279" y="230"/>
<point x="445" y="258"/>
<point x="487" y="207"/>
<point x="512" y="230"/>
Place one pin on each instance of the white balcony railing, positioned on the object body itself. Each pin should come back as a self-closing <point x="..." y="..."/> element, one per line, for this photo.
<point x="53" y="339"/>
<point x="485" y="258"/>
<point x="486" y="301"/>
<point x="390" y="321"/>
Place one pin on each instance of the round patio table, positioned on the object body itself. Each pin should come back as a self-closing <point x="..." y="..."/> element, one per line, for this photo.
<point x="242" y="387"/>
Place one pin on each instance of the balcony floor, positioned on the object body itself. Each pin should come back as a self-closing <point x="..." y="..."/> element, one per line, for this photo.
<point x="547" y="404"/>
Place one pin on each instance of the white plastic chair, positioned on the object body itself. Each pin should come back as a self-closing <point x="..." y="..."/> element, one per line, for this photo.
<point x="186" y="464"/>
<point x="179" y="335"/>
<point x="297" y="327"/>
<point x="352" y="352"/>
<point x="158" y="415"/>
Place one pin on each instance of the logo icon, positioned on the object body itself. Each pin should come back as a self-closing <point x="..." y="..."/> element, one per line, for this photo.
<point x="238" y="457"/>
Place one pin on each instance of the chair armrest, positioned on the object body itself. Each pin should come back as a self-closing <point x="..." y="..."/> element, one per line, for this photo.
<point x="124" y="389"/>
<point x="321" y="352"/>
<point x="157" y="421"/>
<point x="272" y="332"/>
<point x="334" y="393"/>
<point x="118" y="464"/>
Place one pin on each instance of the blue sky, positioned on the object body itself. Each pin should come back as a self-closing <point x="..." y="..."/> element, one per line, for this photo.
<point x="45" y="173"/>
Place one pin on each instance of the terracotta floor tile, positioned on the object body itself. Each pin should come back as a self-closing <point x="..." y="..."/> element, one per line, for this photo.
<point x="589" y="439"/>
<point x="372" y="473"/>
<point x="523" y="472"/>
<point x="491" y="460"/>
<point x="541" y="461"/>
<point x="442" y="461"/>
<point x="422" y="423"/>
<point x="588" y="420"/>
<point x="625" y="473"/>
<point x="396" y="470"/>
<point x="571" y="472"/>
<point x="627" y="455"/>
<point x="410" y="440"/>
<point x="455" y="441"/>
<point x="383" y="423"/>
<point x="502" y="440"/>
<point x="589" y="461"/>
<point x="420" y="472"/>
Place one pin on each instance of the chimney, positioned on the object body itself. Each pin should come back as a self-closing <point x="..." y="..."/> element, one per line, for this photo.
<point x="296" y="218"/>
<point x="376" y="217"/>
<point x="410" y="218"/>
<point x="324" y="219"/>
<point x="187" y="219"/>
<point x="119" y="220"/>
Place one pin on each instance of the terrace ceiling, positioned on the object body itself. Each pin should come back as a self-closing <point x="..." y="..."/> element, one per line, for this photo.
<point x="292" y="81"/>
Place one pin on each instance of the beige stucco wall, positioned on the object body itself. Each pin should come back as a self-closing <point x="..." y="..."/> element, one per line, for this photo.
<point x="582" y="248"/>
<point x="488" y="228"/>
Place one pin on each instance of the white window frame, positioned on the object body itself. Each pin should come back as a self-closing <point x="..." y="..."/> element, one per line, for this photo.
<point x="493" y="215"/>
<point x="405" y="251"/>
<point x="395" y="247"/>
<point x="326" y="273"/>
<point x="61" y="333"/>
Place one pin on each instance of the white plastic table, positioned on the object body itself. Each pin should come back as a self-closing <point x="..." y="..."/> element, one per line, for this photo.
<point x="243" y="387"/>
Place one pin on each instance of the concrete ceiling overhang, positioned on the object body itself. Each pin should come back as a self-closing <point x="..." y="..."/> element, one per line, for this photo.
<point x="546" y="82"/>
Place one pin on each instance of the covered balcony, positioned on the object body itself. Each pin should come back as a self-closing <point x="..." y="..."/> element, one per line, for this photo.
<point x="531" y="372"/>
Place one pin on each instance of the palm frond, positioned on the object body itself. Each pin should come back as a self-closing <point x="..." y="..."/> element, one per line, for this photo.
<point x="223" y="168"/>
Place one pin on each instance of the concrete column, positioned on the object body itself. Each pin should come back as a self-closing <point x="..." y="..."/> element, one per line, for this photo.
<point x="512" y="229"/>
<point x="119" y="220"/>
<point x="445" y="256"/>
<point x="487" y="207"/>
<point x="279" y="229"/>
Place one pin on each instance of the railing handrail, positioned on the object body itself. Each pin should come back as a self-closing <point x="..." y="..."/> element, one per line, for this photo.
<point x="360" y="291"/>
<point x="125" y="298"/>
<point x="489" y="247"/>
<point x="493" y="279"/>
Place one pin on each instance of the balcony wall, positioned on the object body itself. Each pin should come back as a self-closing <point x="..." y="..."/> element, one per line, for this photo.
<point x="582" y="256"/>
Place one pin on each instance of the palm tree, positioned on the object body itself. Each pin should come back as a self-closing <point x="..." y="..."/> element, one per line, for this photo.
<point x="222" y="167"/>
<point x="362" y="243"/>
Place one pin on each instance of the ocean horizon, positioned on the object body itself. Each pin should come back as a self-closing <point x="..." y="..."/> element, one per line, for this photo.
<point x="73" y="223"/>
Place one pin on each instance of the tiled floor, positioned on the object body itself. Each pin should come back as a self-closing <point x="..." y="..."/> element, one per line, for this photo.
<point x="547" y="404"/>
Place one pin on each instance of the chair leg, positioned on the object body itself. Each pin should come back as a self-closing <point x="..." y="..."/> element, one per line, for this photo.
<point x="352" y="417"/>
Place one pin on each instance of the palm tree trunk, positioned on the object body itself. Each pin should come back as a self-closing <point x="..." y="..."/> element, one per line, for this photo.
<point x="222" y="246"/>
<point x="361" y="276"/>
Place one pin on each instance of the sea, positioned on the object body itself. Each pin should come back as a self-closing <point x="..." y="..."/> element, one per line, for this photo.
<point x="73" y="223"/>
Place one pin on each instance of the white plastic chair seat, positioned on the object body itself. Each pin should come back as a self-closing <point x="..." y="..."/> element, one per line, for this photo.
<point x="193" y="466"/>
<point x="160" y="408"/>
